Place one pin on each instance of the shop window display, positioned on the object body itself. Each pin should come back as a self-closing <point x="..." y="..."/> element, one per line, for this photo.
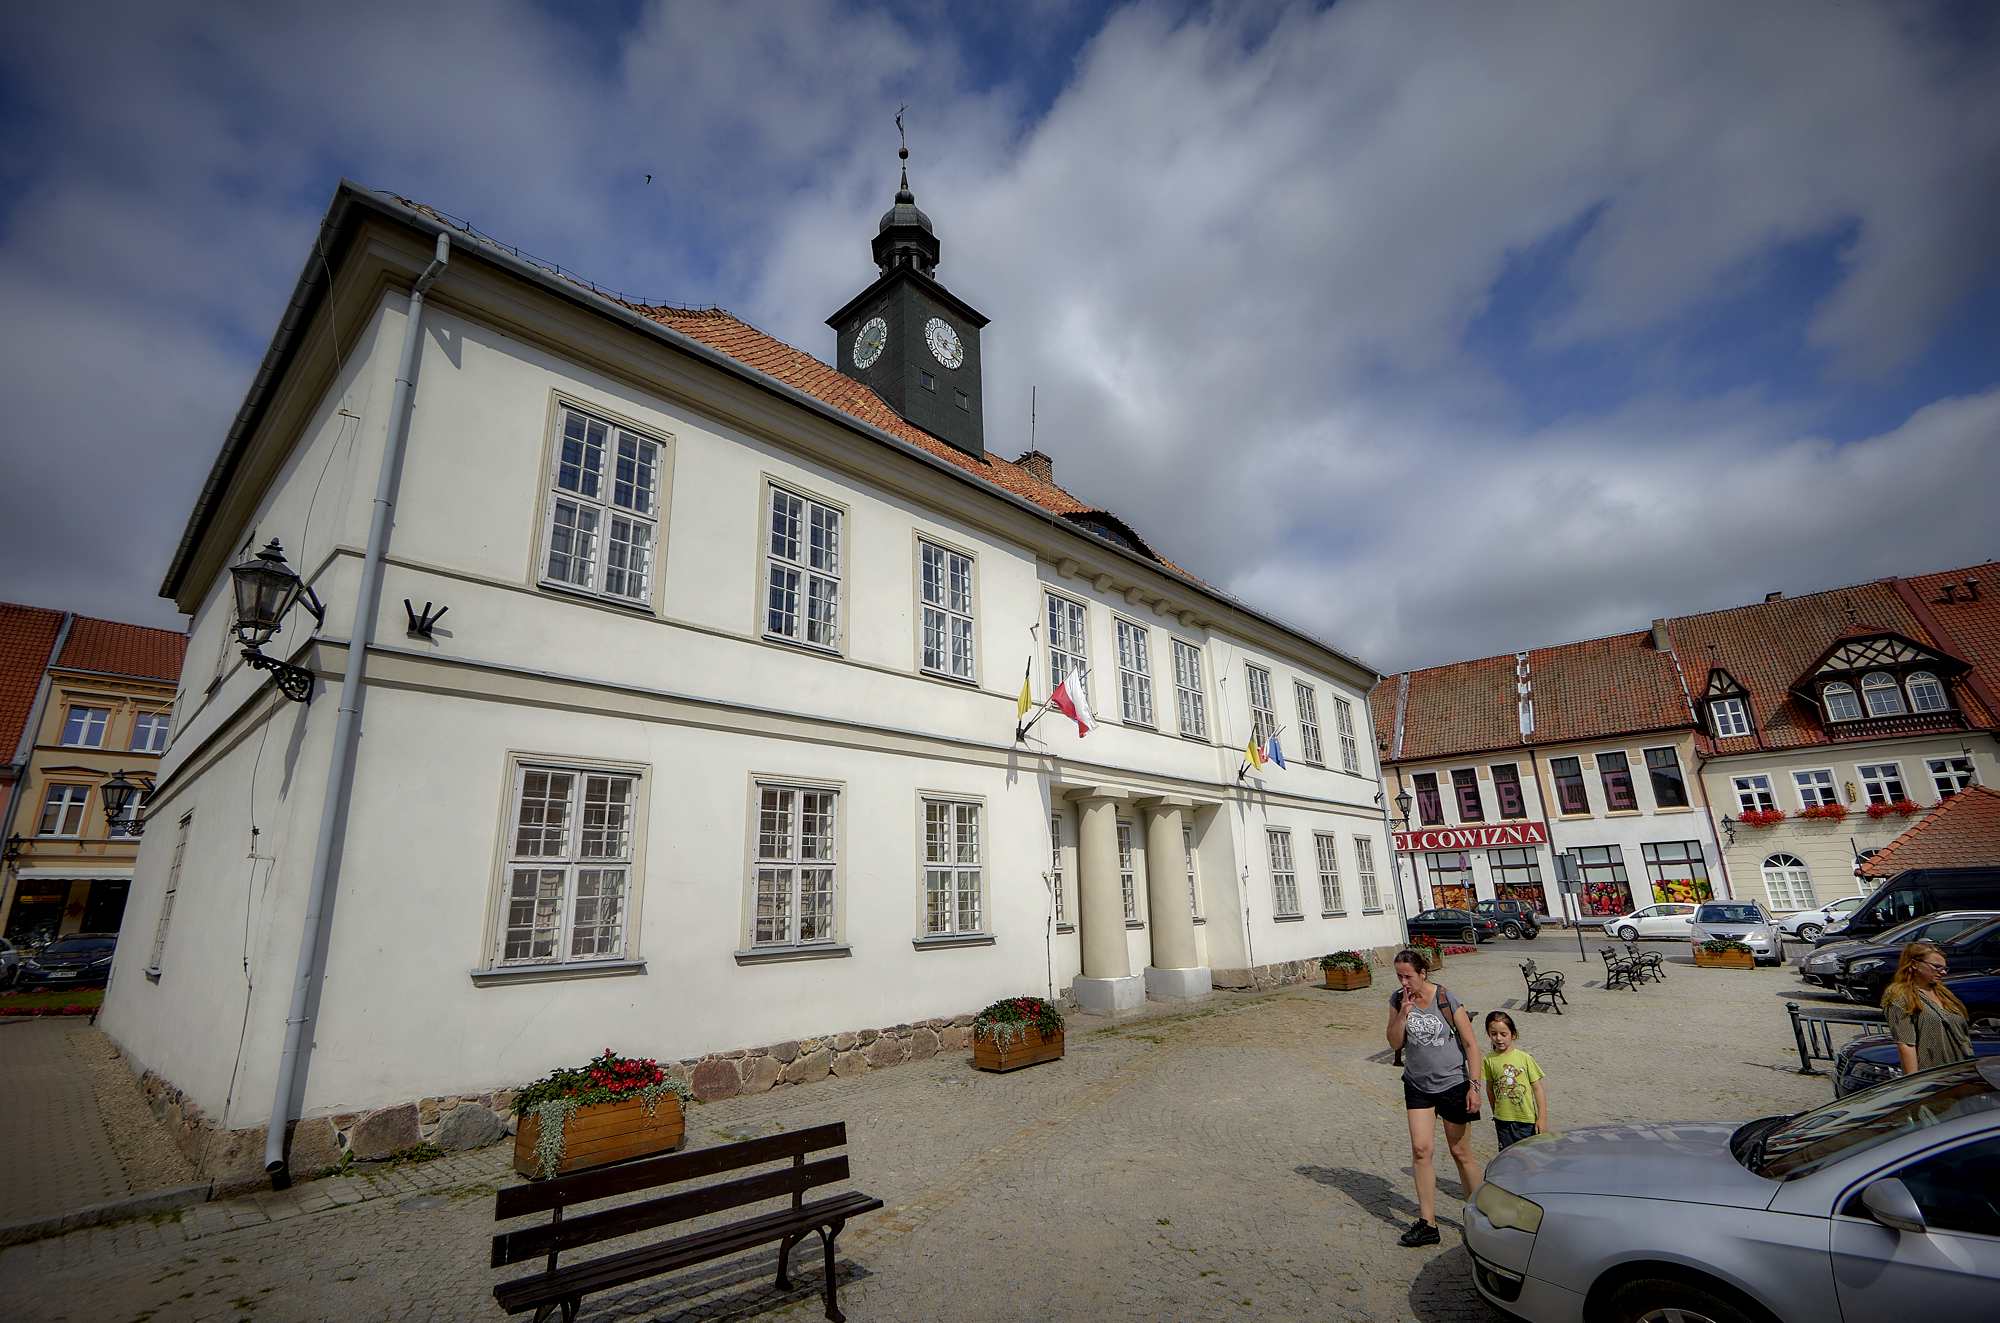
<point x="1606" y="891"/>
<point x="1451" y="879"/>
<point x="1677" y="872"/>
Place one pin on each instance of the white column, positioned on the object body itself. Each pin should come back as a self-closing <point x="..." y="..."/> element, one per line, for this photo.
<point x="1107" y="982"/>
<point x="1174" y="974"/>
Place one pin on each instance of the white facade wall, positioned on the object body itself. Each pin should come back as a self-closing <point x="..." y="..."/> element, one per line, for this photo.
<point x="691" y="695"/>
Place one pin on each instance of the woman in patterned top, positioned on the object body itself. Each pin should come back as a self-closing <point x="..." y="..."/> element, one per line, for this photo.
<point x="1929" y="1024"/>
<point x="1441" y="1078"/>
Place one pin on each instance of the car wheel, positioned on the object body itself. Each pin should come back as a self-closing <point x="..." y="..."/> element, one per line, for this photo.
<point x="1809" y="932"/>
<point x="1469" y="937"/>
<point x="1513" y="930"/>
<point x="1628" y="934"/>
<point x="1663" y="1300"/>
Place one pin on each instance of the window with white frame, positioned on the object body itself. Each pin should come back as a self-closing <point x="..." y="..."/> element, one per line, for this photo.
<point x="1308" y="704"/>
<point x="1815" y="788"/>
<point x="1841" y="702"/>
<point x="1187" y="690"/>
<point x="1788" y="883"/>
<point x="1754" y="794"/>
<point x="62" y="811"/>
<point x="167" y="897"/>
<point x="1882" y="695"/>
<point x="83" y="727"/>
<point x="569" y="865"/>
<point x="604" y="509"/>
<point x="802" y="563"/>
<point x="952" y="872"/>
<point x="795" y="871"/>
<point x="1135" y="673"/>
<point x="149" y="731"/>
<point x="1056" y="863"/>
<point x="1343" y="724"/>
<point x="1950" y="775"/>
<point x="1069" y="646"/>
<point x="1263" y="715"/>
<point x="1284" y="880"/>
<point x="1729" y="716"/>
<point x="1364" y="873"/>
<point x="1193" y="871"/>
<point x="1927" y="693"/>
<point x="1327" y="847"/>
<point x="1883" y="782"/>
<point x="944" y="587"/>
<point x="1128" y="879"/>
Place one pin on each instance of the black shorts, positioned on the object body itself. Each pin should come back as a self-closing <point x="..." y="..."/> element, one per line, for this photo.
<point x="1450" y="1104"/>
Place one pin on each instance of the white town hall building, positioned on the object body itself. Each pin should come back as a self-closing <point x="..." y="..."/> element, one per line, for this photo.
<point x="710" y="755"/>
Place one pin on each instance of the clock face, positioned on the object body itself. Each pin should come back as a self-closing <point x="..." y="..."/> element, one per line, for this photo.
<point x="944" y="342"/>
<point x="869" y="343"/>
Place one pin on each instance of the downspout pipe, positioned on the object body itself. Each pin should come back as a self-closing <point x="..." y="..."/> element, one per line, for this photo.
<point x="340" y="775"/>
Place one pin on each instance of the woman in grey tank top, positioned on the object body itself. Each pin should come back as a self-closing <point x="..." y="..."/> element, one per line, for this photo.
<point x="1441" y="1077"/>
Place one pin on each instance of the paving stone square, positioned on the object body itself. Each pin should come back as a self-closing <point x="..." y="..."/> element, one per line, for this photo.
<point x="1246" y="1158"/>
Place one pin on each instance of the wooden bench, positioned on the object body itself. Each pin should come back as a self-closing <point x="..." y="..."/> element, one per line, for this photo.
<point x="564" y="1286"/>
<point x="1546" y="989"/>
<point x="1620" y="971"/>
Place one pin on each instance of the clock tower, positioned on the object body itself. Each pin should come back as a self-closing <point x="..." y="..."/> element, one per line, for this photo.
<point x="911" y="340"/>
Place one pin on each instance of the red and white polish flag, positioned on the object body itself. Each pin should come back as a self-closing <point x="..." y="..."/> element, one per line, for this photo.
<point x="1075" y="705"/>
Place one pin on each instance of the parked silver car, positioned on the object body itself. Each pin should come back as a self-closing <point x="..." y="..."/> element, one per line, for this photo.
<point x="1739" y="920"/>
<point x="1878" y="1207"/>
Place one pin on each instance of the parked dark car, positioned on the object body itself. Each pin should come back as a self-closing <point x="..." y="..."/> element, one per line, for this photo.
<point x="1448" y="925"/>
<point x="1516" y="917"/>
<point x="1871" y="1058"/>
<point x="1913" y="894"/>
<point x="1821" y="966"/>
<point x="1863" y="976"/>
<point x="78" y="960"/>
<point x="10" y="963"/>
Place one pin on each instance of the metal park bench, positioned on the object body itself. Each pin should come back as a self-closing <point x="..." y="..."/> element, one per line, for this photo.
<point x="1652" y="964"/>
<point x="1545" y="989"/>
<point x="1812" y="1030"/>
<point x="1620" y="971"/>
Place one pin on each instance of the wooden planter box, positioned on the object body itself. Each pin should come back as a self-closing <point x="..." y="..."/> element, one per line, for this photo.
<point x="604" y="1132"/>
<point x="1435" y="957"/>
<point x="1028" y="1050"/>
<point x="1724" y="959"/>
<point x="1347" y="980"/>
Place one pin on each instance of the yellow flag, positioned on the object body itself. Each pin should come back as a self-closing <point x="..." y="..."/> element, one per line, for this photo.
<point x="1252" y="754"/>
<point x="1021" y="707"/>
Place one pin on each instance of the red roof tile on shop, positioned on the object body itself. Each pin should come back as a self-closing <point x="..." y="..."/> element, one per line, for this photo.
<point x="115" y="648"/>
<point x="27" y="633"/>
<point x="1962" y="832"/>
<point x="1970" y="626"/>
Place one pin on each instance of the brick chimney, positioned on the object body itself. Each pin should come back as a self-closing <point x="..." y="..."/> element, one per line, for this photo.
<point x="1040" y="465"/>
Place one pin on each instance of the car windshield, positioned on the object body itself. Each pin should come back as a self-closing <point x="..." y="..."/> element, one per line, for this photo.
<point x="78" y="945"/>
<point x="1730" y="914"/>
<point x="1804" y="1143"/>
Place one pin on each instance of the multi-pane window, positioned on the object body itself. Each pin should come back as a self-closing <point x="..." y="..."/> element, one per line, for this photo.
<point x="802" y="563"/>
<point x="1193" y="873"/>
<point x="1663" y="766"/>
<point x="1754" y="794"/>
<point x="1926" y="693"/>
<point x="167" y="898"/>
<point x="1605" y="890"/>
<point x="1815" y="788"/>
<point x="1263" y="715"/>
<point x="1882" y="694"/>
<point x="149" y="731"/>
<point x="1187" y="690"/>
<point x="1507" y="789"/>
<point x="83" y="728"/>
<point x="1841" y="703"/>
<point x="1678" y="872"/>
<point x="1882" y="781"/>
<point x="1343" y="725"/>
<point x="1614" y="770"/>
<point x="1571" y="797"/>
<point x="1056" y="863"/>
<point x="945" y="587"/>
<point x="1788" y="883"/>
<point x="1135" y="673"/>
<point x="952" y="874"/>
<point x="1308" y="704"/>
<point x="795" y="867"/>
<point x="1729" y="717"/>
<point x="1069" y="645"/>
<point x="1430" y="809"/>
<point x="1284" y="880"/>
<point x="569" y="866"/>
<point x="1517" y="875"/>
<point x="1451" y="878"/>
<point x="1465" y="789"/>
<point x="1950" y="775"/>
<point x="1364" y="873"/>
<point x="604" y="510"/>
<point x="62" y="811"/>
<point x="1327" y="848"/>
<point x="1128" y="878"/>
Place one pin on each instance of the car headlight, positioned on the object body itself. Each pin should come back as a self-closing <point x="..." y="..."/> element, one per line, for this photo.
<point x="1866" y="966"/>
<point x="101" y="960"/>
<point x="1503" y="1208"/>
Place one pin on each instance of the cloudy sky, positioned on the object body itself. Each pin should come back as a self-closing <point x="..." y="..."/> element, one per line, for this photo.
<point x="1440" y="330"/>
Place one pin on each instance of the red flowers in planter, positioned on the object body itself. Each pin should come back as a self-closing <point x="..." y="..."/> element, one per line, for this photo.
<point x="1905" y="807"/>
<point x="1770" y="817"/>
<point x="1825" y="812"/>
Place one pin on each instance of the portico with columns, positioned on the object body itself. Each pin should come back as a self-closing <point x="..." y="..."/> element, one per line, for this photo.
<point x="1130" y="954"/>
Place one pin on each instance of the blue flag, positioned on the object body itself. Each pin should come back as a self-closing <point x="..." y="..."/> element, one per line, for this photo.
<point x="1272" y="753"/>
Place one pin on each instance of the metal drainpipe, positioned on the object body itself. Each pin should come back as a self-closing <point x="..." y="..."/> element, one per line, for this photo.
<point x="340" y="775"/>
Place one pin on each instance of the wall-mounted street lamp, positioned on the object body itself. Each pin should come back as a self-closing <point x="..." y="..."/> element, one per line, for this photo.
<point x="14" y="848"/>
<point x="1403" y="808"/>
<point x="122" y="796"/>
<point x="266" y="591"/>
<point x="1729" y="828"/>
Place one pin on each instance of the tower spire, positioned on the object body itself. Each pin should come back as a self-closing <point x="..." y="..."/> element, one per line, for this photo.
<point x="905" y="237"/>
<point x="903" y="193"/>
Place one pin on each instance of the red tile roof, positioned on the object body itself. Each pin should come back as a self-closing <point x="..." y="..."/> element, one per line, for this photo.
<point x="1967" y="626"/>
<point x="27" y="633"/>
<point x="1962" y="832"/>
<point x="115" y="648"/>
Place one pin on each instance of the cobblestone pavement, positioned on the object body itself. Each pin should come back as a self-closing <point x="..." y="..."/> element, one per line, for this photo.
<point x="1247" y="1159"/>
<point x="55" y="1154"/>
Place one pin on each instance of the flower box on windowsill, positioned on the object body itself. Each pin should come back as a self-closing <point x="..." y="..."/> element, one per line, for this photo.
<point x="1762" y="817"/>
<point x="1903" y="807"/>
<point x="1824" y="812"/>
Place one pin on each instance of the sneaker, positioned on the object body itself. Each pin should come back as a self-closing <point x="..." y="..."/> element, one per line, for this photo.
<point x="1420" y="1233"/>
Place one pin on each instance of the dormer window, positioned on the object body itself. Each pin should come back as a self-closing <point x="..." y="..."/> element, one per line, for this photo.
<point x="1729" y="717"/>
<point x="1841" y="702"/>
<point x="1882" y="694"/>
<point x="1927" y="693"/>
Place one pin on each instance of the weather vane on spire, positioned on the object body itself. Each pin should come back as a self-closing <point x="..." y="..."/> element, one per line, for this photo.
<point x="903" y="154"/>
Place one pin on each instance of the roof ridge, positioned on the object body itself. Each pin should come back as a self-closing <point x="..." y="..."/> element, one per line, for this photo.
<point x="1881" y="581"/>
<point x="1533" y="647"/>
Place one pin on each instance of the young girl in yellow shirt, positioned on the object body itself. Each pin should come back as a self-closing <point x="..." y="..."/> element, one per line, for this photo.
<point x="1514" y="1083"/>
